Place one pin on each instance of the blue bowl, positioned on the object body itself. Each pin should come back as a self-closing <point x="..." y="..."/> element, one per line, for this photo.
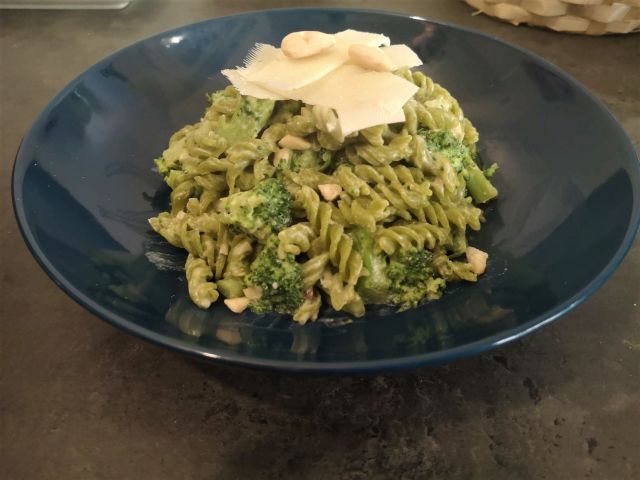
<point x="569" y="205"/>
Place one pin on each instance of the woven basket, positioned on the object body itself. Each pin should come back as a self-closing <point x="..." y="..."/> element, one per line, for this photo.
<point x="590" y="17"/>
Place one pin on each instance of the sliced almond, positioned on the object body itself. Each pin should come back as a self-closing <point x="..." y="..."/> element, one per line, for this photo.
<point x="330" y="191"/>
<point x="237" y="305"/>
<point x="370" y="58"/>
<point x="478" y="260"/>
<point x="306" y="43"/>
<point x="294" y="143"/>
<point x="252" y="293"/>
<point x="282" y="154"/>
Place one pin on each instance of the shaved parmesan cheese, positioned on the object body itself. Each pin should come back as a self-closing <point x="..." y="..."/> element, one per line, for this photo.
<point x="276" y="71"/>
<point x="257" y="58"/>
<point x="329" y="80"/>
<point x="287" y="74"/>
<point x="247" y="88"/>
<point x="352" y="85"/>
<point x="360" y="97"/>
<point x="402" y="56"/>
<point x="356" y="118"/>
<point x="260" y="55"/>
<point x="390" y="90"/>
<point x="331" y="90"/>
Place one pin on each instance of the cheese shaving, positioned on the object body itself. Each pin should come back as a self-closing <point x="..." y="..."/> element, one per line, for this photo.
<point x="362" y="98"/>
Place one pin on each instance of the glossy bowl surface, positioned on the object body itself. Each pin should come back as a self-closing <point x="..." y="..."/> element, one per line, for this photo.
<point x="568" y="210"/>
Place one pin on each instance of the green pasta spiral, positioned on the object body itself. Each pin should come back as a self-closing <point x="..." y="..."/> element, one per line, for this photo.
<point x="379" y="216"/>
<point x="202" y="292"/>
<point x="313" y="269"/>
<point x="295" y="239"/>
<point x="308" y="311"/>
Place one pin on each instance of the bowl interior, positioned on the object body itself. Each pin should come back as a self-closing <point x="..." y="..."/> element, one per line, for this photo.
<point x="568" y="206"/>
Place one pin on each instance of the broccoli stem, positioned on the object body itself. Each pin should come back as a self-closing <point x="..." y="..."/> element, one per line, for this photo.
<point x="373" y="288"/>
<point x="479" y="186"/>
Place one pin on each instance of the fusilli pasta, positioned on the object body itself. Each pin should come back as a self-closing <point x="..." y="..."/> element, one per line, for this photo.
<point x="378" y="216"/>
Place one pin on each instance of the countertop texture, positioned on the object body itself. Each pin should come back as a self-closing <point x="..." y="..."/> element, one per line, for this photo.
<point x="81" y="400"/>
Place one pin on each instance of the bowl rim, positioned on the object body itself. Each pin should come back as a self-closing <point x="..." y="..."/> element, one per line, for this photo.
<point x="329" y="367"/>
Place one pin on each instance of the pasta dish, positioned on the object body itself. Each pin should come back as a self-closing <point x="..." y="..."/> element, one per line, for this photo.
<point x="287" y="194"/>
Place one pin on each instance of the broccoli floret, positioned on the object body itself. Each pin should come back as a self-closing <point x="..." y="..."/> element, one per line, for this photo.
<point x="216" y="96"/>
<point x="250" y="116"/>
<point x="444" y="143"/>
<point x="491" y="171"/>
<point x="304" y="159"/>
<point x="279" y="279"/>
<point x="404" y="279"/>
<point x="412" y="279"/>
<point x="162" y="166"/>
<point x="261" y="211"/>
<point x="276" y="207"/>
<point x="374" y="287"/>
<point x="308" y="159"/>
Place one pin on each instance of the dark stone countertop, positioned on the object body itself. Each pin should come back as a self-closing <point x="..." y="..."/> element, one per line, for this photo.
<point x="81" y="400"/>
